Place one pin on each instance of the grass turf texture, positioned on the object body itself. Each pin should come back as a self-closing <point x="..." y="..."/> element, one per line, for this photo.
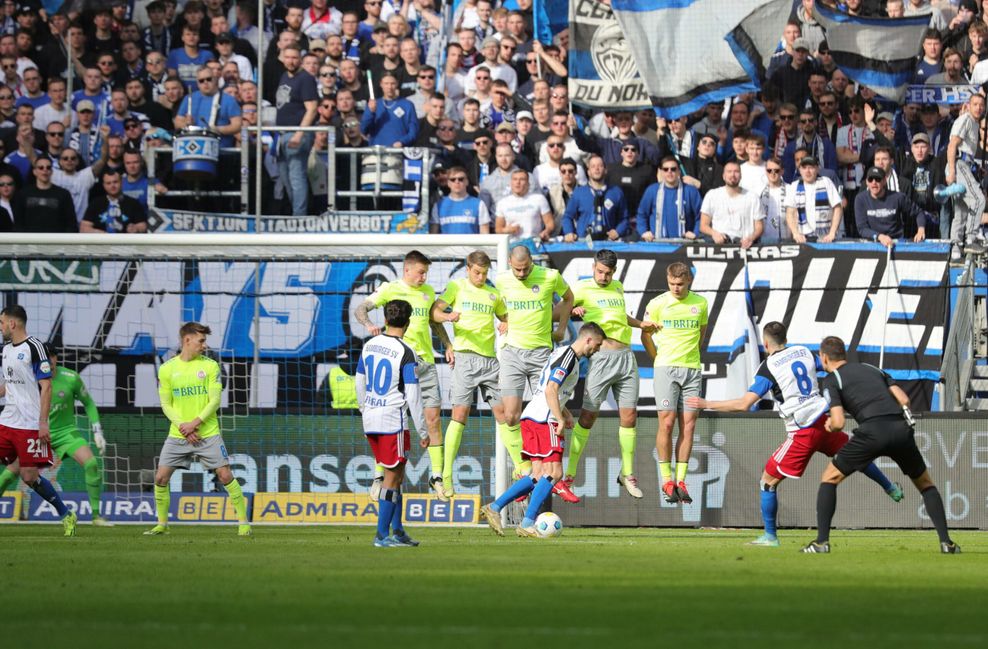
<point x="326" y="586"/>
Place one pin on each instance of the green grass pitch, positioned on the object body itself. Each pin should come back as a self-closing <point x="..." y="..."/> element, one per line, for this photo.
<point x="606" y="588"/>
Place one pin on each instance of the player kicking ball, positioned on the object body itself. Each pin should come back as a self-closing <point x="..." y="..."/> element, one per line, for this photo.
<point x="190" y="389"/>
<point x="66" y="388"/>
<point x="542" y="439"/>
<point x="789" y="373"/>
<point x="388" y="392"/>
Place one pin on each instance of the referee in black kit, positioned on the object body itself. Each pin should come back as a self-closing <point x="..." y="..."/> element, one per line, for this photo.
<point x="885" y="427"/>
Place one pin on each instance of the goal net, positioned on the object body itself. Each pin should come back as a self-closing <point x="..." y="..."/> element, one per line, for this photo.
<point x="281" y="309"/>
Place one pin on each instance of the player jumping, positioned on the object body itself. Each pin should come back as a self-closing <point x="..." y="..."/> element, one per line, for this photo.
<point x="25" y="433"/>
<point x="542" y="439"/>
<point x="600" y="299"/>
<point x="388" y="391"/>
<point x="66" y="388"/>
<point x="190" y="390"/>
<point x="789" y="373"/>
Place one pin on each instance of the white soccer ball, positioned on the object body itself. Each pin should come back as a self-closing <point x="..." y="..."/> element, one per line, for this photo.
<point x="548" y="525"/>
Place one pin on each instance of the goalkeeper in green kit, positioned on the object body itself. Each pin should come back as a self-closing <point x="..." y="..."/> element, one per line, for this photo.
<point x="67" y="388"/>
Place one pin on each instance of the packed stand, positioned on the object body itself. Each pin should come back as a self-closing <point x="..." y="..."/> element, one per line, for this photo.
<point x="811" y="157"/>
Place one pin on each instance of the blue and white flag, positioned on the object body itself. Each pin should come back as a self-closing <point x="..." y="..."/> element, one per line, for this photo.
<point x="602" y="70"/>
<point x="876" y="52"/>
<point x="693" y="52"/>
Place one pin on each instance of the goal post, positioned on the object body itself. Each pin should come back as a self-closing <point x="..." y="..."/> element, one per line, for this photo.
<point x="281" y="308"/>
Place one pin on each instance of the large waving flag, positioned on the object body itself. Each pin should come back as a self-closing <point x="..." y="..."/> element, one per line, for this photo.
<point x="692" y="52"/>
<point x="876" y="52"/>
<point x="602" y="70"/>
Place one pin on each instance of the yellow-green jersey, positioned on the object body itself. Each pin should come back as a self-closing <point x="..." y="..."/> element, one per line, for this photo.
<point x="477" y="306"/>
<point x="190" y="390"/>
<point x="419" y="333"/>
<point x="605" y="306"/>
<point x="677" y="343"/>
<point x="529" y="304"/>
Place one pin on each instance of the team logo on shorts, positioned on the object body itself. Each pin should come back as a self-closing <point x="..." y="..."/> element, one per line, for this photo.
<point x="535" y="289"/>
<point x="665" y="403"/>
<point x="201" y="374"/>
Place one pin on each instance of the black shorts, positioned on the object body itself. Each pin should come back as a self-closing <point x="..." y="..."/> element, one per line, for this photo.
<point x="884" y="436"/>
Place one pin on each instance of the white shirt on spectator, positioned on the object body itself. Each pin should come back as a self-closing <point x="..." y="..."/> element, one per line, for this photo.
<point x="547" y="176"/>
<point x="526" y="211"/>
<point x="501" y="71"/>
<point x="45" y="115"/>
<point x="77" y="184"/>
<point x="753" y="177"/>
<point x="733" y="216"/>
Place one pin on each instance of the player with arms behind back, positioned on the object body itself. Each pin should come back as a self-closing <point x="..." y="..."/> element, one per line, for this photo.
<point x="413" y="289"/>
<point x="789" y="373"/>
<point x="190" y="390"/>
<point x="600" y="299"/>
<point x="25" y="434"/>
<point x="388" y="391"/>
<point x="473" y="355"/>
<point x="542" y="424"/>
<point x="681" y="317"/>
<point x="66" y="388"/>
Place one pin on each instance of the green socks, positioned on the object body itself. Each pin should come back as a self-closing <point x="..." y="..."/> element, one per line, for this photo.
<point x="7" y="480"/>
<point x="436" y="458"/>
<point x="162" y="499"/>
<point x="626" y="438"/>
<point x="237" y="500"/>
<point x="511" y="436"/>
<point x="454" y="435"/>
<point x="665" y="468"/>
<point x="94" y="483"/>
<point x="681" y="466"/>
<point x="578" y="441"/>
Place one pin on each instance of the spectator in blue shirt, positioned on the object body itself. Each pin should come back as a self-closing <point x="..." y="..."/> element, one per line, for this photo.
<point x="459" y="212"/>
<point x="595" y="209"/>
<point x="670" y="208"/>
<point x="390" y="121"/>
<point x="208" y="107"/>
<point x="184" y="61"/>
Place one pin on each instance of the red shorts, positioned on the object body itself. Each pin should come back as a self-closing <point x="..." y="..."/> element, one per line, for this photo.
<point x="541" y="441"/>
<point x="390" y="450"/>
<point x="792" y="456"/>
<point x="24" y="446"/>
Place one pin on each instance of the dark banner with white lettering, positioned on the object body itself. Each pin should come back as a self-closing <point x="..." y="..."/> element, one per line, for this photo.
<point x="816" y="290"/>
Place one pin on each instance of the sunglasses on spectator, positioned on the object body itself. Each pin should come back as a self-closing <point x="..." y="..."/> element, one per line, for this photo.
<point x="786" y="118"/>
<point x="510" y="48"/>
<point x="772" y="170"/>
<point x="327" y="74"/>
<point x="55" y="133"/>
<point x="445" y="128"/>
<point x="133" y="125"/>
<point x="42" y="168"/>
<point x="5" y="184"/>
<point x="629" y="148"/>
<point x="458" y="179"/>
<point x="530" y="60"/>
<point x="874" y="180"/>
<point x="707" y="141"/>
<point x="855" y="110"/>
<point x="205" y="80"/>
<point x="556" y="95"/>
<point x="807" y="120"/>
<point x="482" y="142"/>
<point x="567" y="171"/>
<point x="482" y="78"/>
<point x="554" y="145"/>
<point x="68" y="158"/>
<point x="427" y="76"/>
<point x="828" y="103"/>
<point x="670" y="169"/>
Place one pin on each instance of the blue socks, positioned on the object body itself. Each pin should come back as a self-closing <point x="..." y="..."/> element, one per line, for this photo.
<point x="770" y="509"/>
<point x="44" y="489"/>
<point x="520" y="488"/>
<point x="386" y="511"/>
<point x="541" y="492"/>
<point x="876" y="474"/>
<point x="396" y="527"/>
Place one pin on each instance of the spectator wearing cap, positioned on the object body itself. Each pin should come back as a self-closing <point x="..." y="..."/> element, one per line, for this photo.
<point x="881" y="214"/>
<point x="114" y="211"/>
<point x="497" y="69"/>
<point x="459" y="212"/>
<point x="810" y="29"/>
<point x="482" y="161"/>
<point x="669" y="208"/>
<point x="156" y="36"/>
<point x="84" y="138"/>
<point x="633" y="176"/>
<point x="506" y="133"/>
<point x="935" y="128"/>
<point x="225" y="54"/>
<point x="298" y="100"/>
<point x="183" y="62"/>
<point x="434" y="111"/>
<point x="209" y="108"/>
<point x="793" y="79"/>
<point x="809" y="138"/>
<point x="524" y="214"/>
<point x="923" y="171"/>
<point x="813" y="205"/>
<point x="71" y="175"/>
<point x="882" y="128"/>
<point x="42" y="207"/>
<point x="596" y="210"/>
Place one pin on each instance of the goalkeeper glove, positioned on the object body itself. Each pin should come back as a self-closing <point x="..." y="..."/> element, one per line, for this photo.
<point x="98" y="438"/>
<point x="908" y="415"/>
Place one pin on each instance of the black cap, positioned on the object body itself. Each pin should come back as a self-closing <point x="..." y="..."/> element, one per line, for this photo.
<point x="483" y="133"/>
<point x="224" y="37"/>
<point x="876" y="173"/>
<point x="808" y="161"/>
<point x="25" y="10"/>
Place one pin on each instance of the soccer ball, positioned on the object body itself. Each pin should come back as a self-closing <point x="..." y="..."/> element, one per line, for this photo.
<point x="548" y="525"/>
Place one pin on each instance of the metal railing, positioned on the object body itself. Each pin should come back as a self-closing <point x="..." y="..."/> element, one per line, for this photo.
<point x="334" y="156"/>
<point x="958" y="352"/>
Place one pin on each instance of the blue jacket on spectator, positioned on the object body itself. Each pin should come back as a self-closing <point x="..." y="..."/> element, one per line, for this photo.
<point x="393" y="121"/>
<point x="645" y="220"/>
<point x="580" y="217"/>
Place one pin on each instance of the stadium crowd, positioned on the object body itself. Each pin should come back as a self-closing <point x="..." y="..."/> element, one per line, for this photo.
<point x="813" y="156"/>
